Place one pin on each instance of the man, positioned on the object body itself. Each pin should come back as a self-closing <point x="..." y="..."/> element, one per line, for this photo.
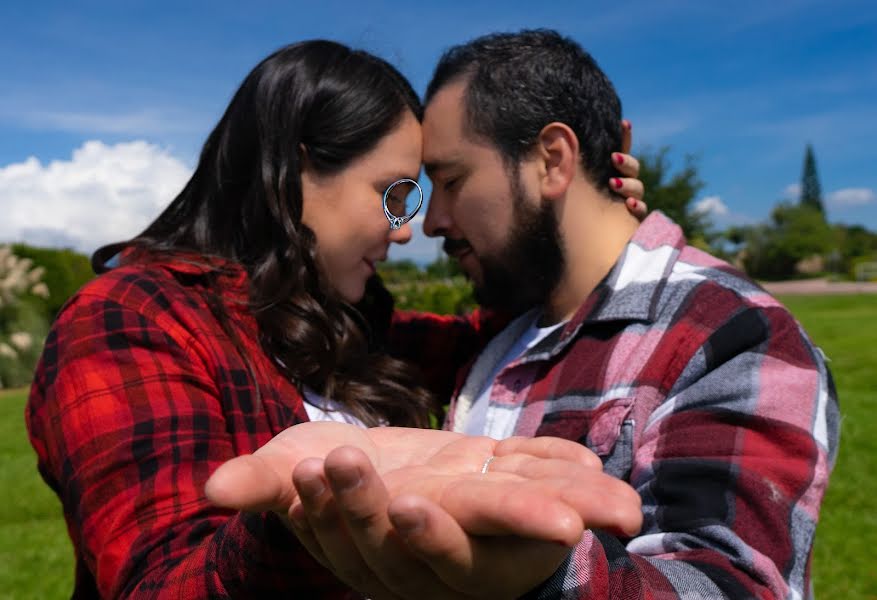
<point x="688" y="381"/>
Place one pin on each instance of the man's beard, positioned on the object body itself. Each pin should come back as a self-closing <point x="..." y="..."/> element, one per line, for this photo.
<point x="526" y="271"/>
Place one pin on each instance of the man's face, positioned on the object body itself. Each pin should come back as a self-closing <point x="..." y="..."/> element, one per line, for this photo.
<point x="505" y="239"/>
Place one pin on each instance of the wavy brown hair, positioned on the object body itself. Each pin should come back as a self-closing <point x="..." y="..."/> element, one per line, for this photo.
<point x="244" y="204"/>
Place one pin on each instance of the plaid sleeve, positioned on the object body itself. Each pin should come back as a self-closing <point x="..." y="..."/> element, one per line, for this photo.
<point x="440" y="345"/>
<point x="731" y="467"/>
<point x="128" y="424"/>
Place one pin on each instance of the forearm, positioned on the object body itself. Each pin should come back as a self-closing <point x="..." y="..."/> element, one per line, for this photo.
<point x="248" y="556"/>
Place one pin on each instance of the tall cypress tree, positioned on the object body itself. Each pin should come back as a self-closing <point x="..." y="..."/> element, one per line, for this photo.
<point x="811" y="190"/>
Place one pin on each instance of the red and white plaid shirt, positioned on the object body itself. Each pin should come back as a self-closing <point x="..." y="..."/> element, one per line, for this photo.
<point x="703" y="392"/>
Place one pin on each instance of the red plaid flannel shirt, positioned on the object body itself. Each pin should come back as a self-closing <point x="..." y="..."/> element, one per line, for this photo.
<point x="139" y="396"/>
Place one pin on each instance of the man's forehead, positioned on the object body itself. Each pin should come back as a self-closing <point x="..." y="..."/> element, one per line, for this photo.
<point x="449" y="97"/>
<point x="443" y="122"/>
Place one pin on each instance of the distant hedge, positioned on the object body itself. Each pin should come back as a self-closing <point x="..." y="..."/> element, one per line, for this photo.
<point x="66" y="272"/>
<point x="437" y="288"/>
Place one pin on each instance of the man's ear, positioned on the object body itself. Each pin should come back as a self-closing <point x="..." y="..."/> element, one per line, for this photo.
<point x="558" y="148"/>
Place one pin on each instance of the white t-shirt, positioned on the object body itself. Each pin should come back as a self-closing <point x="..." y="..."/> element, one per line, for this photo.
<point x="324" y="409"/>
<point x="476" y="418"/>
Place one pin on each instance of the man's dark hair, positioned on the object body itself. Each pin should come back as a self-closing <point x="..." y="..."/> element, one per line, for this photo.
<point x="520" y="82"/>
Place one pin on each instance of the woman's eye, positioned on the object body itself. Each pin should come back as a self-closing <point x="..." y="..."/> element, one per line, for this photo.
<point x="450" y="183"/>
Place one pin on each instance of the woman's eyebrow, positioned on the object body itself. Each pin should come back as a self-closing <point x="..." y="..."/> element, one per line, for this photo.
<point x="391" y="179"/>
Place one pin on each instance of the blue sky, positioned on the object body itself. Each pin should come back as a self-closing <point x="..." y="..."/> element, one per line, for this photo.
<point x="104" y="106"/>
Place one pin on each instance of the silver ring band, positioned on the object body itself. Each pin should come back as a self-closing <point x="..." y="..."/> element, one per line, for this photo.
<point x="486" y="464"/>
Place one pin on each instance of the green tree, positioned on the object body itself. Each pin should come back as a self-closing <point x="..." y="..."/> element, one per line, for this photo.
<point x="399" y="271"/>
<point x="852" y="244"/>
<point x="795" y="232"/>
<point x="673" y="194"/>
<point x="443" y="268"/>
<point x="811" y="190"/>
<point x="447" y="296"/>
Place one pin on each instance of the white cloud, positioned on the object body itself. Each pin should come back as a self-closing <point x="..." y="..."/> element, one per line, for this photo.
<point x="107" y="193"/>
<point x="711" y="205"/>
<point x="852" y="197"/>
<point x="792" y="191"/>
<point x="102" y="194"/>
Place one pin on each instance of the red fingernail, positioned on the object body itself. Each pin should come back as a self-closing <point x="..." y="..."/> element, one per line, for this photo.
<point x="616" y="182"/>
<point x="619" y="159"/>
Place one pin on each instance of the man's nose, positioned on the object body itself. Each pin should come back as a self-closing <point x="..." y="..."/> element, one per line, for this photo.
<point x="437" y="220"/>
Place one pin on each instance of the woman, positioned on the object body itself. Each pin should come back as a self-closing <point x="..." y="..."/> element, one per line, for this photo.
<point x="226" y="321"/>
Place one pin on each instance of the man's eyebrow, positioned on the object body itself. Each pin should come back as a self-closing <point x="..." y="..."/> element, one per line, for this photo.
<point x="439" y="165"/>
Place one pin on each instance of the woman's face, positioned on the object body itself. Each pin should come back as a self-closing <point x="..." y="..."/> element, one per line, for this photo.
<point x="345" y="210"/>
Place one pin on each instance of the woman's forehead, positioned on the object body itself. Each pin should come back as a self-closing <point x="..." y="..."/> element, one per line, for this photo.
<point x="399" y="153"/>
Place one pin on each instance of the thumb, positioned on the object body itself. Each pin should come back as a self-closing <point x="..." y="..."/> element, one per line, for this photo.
<point x="251" y="483"/>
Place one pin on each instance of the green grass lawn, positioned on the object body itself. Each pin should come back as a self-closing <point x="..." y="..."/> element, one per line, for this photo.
<point x="36" y="560"/>
<point x="845" y="327"/>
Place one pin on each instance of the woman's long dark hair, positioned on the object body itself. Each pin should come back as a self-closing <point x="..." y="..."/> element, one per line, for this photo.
<point x="244" y="204"/>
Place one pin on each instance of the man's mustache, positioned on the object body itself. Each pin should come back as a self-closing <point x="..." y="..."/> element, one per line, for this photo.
<point x="453" y="246"/>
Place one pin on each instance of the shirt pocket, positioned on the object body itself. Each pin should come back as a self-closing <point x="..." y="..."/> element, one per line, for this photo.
<point x="606" y="428"/>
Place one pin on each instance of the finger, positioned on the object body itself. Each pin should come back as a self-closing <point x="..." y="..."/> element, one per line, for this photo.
<point x="362" y="500"/>
<point x="488" y="506"/>
<point x="313" y="503"/>
<point x="599" y="500"/>
<point x="626" y="136"/>
<point x="250" y="483"/>
<point x="626" y="164"/>
<point x="549" y="447"/>
<point x="552" y="509"/>
<point x="602" y="501"/>
<point x="322" y="531"/>
<point x="299" y="525"/>
<point x="462" y="560"/>
<point x="637" y="208"/>
<point x="627" y="187"/>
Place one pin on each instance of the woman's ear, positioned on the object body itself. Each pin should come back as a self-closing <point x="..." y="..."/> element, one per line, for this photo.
<point x="558" y="148"/>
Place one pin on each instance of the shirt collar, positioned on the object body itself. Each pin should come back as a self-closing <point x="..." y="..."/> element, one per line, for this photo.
<point x="231" y="277"/>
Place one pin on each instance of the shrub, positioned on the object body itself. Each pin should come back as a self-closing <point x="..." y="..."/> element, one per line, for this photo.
<point x="23" y="324"/>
